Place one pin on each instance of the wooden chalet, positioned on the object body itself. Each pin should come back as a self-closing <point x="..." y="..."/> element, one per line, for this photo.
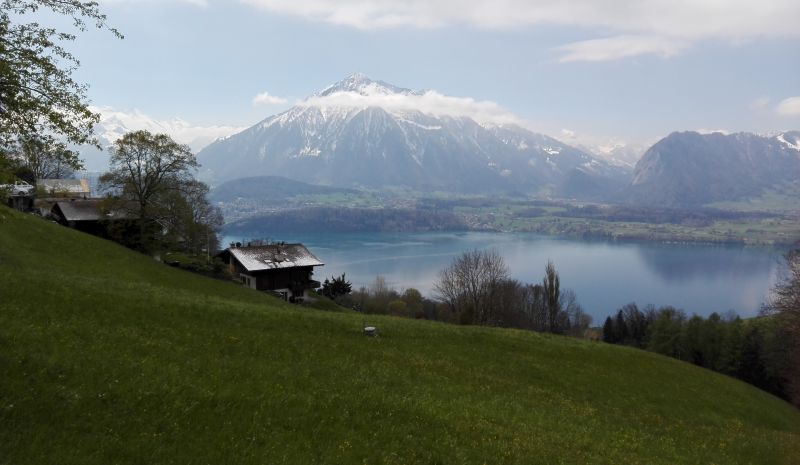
<point x="88" y="215"/>
<point x="282" y="269"/>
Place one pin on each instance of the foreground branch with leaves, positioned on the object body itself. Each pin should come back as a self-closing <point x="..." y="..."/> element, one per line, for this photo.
<point x="38" y="95"/>
<point x="785" y="307"/>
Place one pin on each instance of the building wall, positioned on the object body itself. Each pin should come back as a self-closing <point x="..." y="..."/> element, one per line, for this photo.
<point x="282" y="279"/>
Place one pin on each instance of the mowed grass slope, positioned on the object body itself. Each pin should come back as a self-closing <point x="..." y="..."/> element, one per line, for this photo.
<point x="109" y="357"/>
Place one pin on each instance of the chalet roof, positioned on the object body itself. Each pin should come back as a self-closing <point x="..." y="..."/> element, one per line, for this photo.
<point x="86" y="210"/>
<point x="70" y="186"/>
<point x="275" y="256"/>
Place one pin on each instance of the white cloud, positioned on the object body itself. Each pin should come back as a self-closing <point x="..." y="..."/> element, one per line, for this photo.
<point x="668" y="24"/>
<point x="613" y="48"/>
<point x="760" y="103"/>
<point x="114" y="124"/>
<point x="430" y="102"/>
<point x="789" y="107"/>
<point x="264" y="98"/>
<point x="568" y="133"/>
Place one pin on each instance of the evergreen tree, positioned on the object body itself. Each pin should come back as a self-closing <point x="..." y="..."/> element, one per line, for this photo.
<point x="695" y="343"/>
<point x="609" y="332"/>
<point x="551" y="286"/>
<point x="620" y="328"/>
<point x="731" y="354"/>
<point x="335" y="287"/>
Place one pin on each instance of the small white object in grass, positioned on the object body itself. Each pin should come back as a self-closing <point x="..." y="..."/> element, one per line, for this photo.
<point x="370" y="330"/>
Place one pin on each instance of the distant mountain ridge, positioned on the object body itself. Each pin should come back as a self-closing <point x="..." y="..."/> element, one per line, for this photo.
<point x="687" y="169"/>
<point x="269" y="189"/>
<point x="359" y="133"/>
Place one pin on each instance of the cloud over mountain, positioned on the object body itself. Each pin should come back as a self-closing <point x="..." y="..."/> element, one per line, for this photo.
<point x="789" y="107"/>
<point x="429" y="102"/>
<point x="264" y="98"/>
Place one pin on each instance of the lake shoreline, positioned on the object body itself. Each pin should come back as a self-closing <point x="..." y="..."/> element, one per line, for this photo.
<point x="606" y="274"/>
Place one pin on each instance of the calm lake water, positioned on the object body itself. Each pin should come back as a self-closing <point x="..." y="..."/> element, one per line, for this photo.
<point x="605" y="275"/>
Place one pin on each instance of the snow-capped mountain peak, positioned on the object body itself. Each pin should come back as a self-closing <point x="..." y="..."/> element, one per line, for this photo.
<point x="362" y="84"/>
<point x="365" y="132"/>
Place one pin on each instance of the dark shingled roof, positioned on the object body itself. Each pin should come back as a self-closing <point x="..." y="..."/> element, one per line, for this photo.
<point x="274" y="256"/>
<point x="87" y="210"/>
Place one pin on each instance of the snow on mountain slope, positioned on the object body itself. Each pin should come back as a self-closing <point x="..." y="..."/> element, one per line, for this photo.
<point x="362" y="132"/>
<point x="114" y="124"/>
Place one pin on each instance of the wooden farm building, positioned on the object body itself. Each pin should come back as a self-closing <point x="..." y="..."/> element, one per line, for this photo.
<point x="89" y="216"/>
<point x="283" y="269"/>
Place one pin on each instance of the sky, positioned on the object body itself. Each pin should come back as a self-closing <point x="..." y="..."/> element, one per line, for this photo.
<point x="584" y="71"/>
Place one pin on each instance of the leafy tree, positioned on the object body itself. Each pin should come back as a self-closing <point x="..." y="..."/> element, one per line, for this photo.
<point x="609" y="332"/>
<point x="397" y="308"/>
<point x="38" y="96"/>
<point x="146" y="167"/>
<point x="8" y="167"/>
<point x="189" y="221"/>
<point x="414" y="301"/>
<point x="666" y="333"/>
<point x="47" y="158"/>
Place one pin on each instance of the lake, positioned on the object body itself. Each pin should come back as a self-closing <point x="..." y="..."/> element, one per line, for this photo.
<point x="698" y="278"/>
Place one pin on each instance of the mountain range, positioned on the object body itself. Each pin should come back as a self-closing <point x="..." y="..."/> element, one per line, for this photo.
<point x="361" y="132"/>
<point x="365" y="133"/>
<point x="114" y="124"/>
<point x="687" y="169"/>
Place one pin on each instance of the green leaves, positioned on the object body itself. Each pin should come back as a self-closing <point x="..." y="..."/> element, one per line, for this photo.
<point x="38" y="97"/>
<point x="48" y="158"/>
<point x="153" y="173"/>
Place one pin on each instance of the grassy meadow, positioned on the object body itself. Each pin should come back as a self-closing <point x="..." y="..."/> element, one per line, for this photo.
<point x="107" y="356"/>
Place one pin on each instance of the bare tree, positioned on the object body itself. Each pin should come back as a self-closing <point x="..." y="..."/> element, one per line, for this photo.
<point x="572" y="319"/>
<point x="785" y="306"/>
<point x="469" y="284"/>
<point x="379" y="287"/>
<point x="535" y="307"/>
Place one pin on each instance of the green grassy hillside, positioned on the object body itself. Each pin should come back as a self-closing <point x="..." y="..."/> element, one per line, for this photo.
<point x="109" y="357"/>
